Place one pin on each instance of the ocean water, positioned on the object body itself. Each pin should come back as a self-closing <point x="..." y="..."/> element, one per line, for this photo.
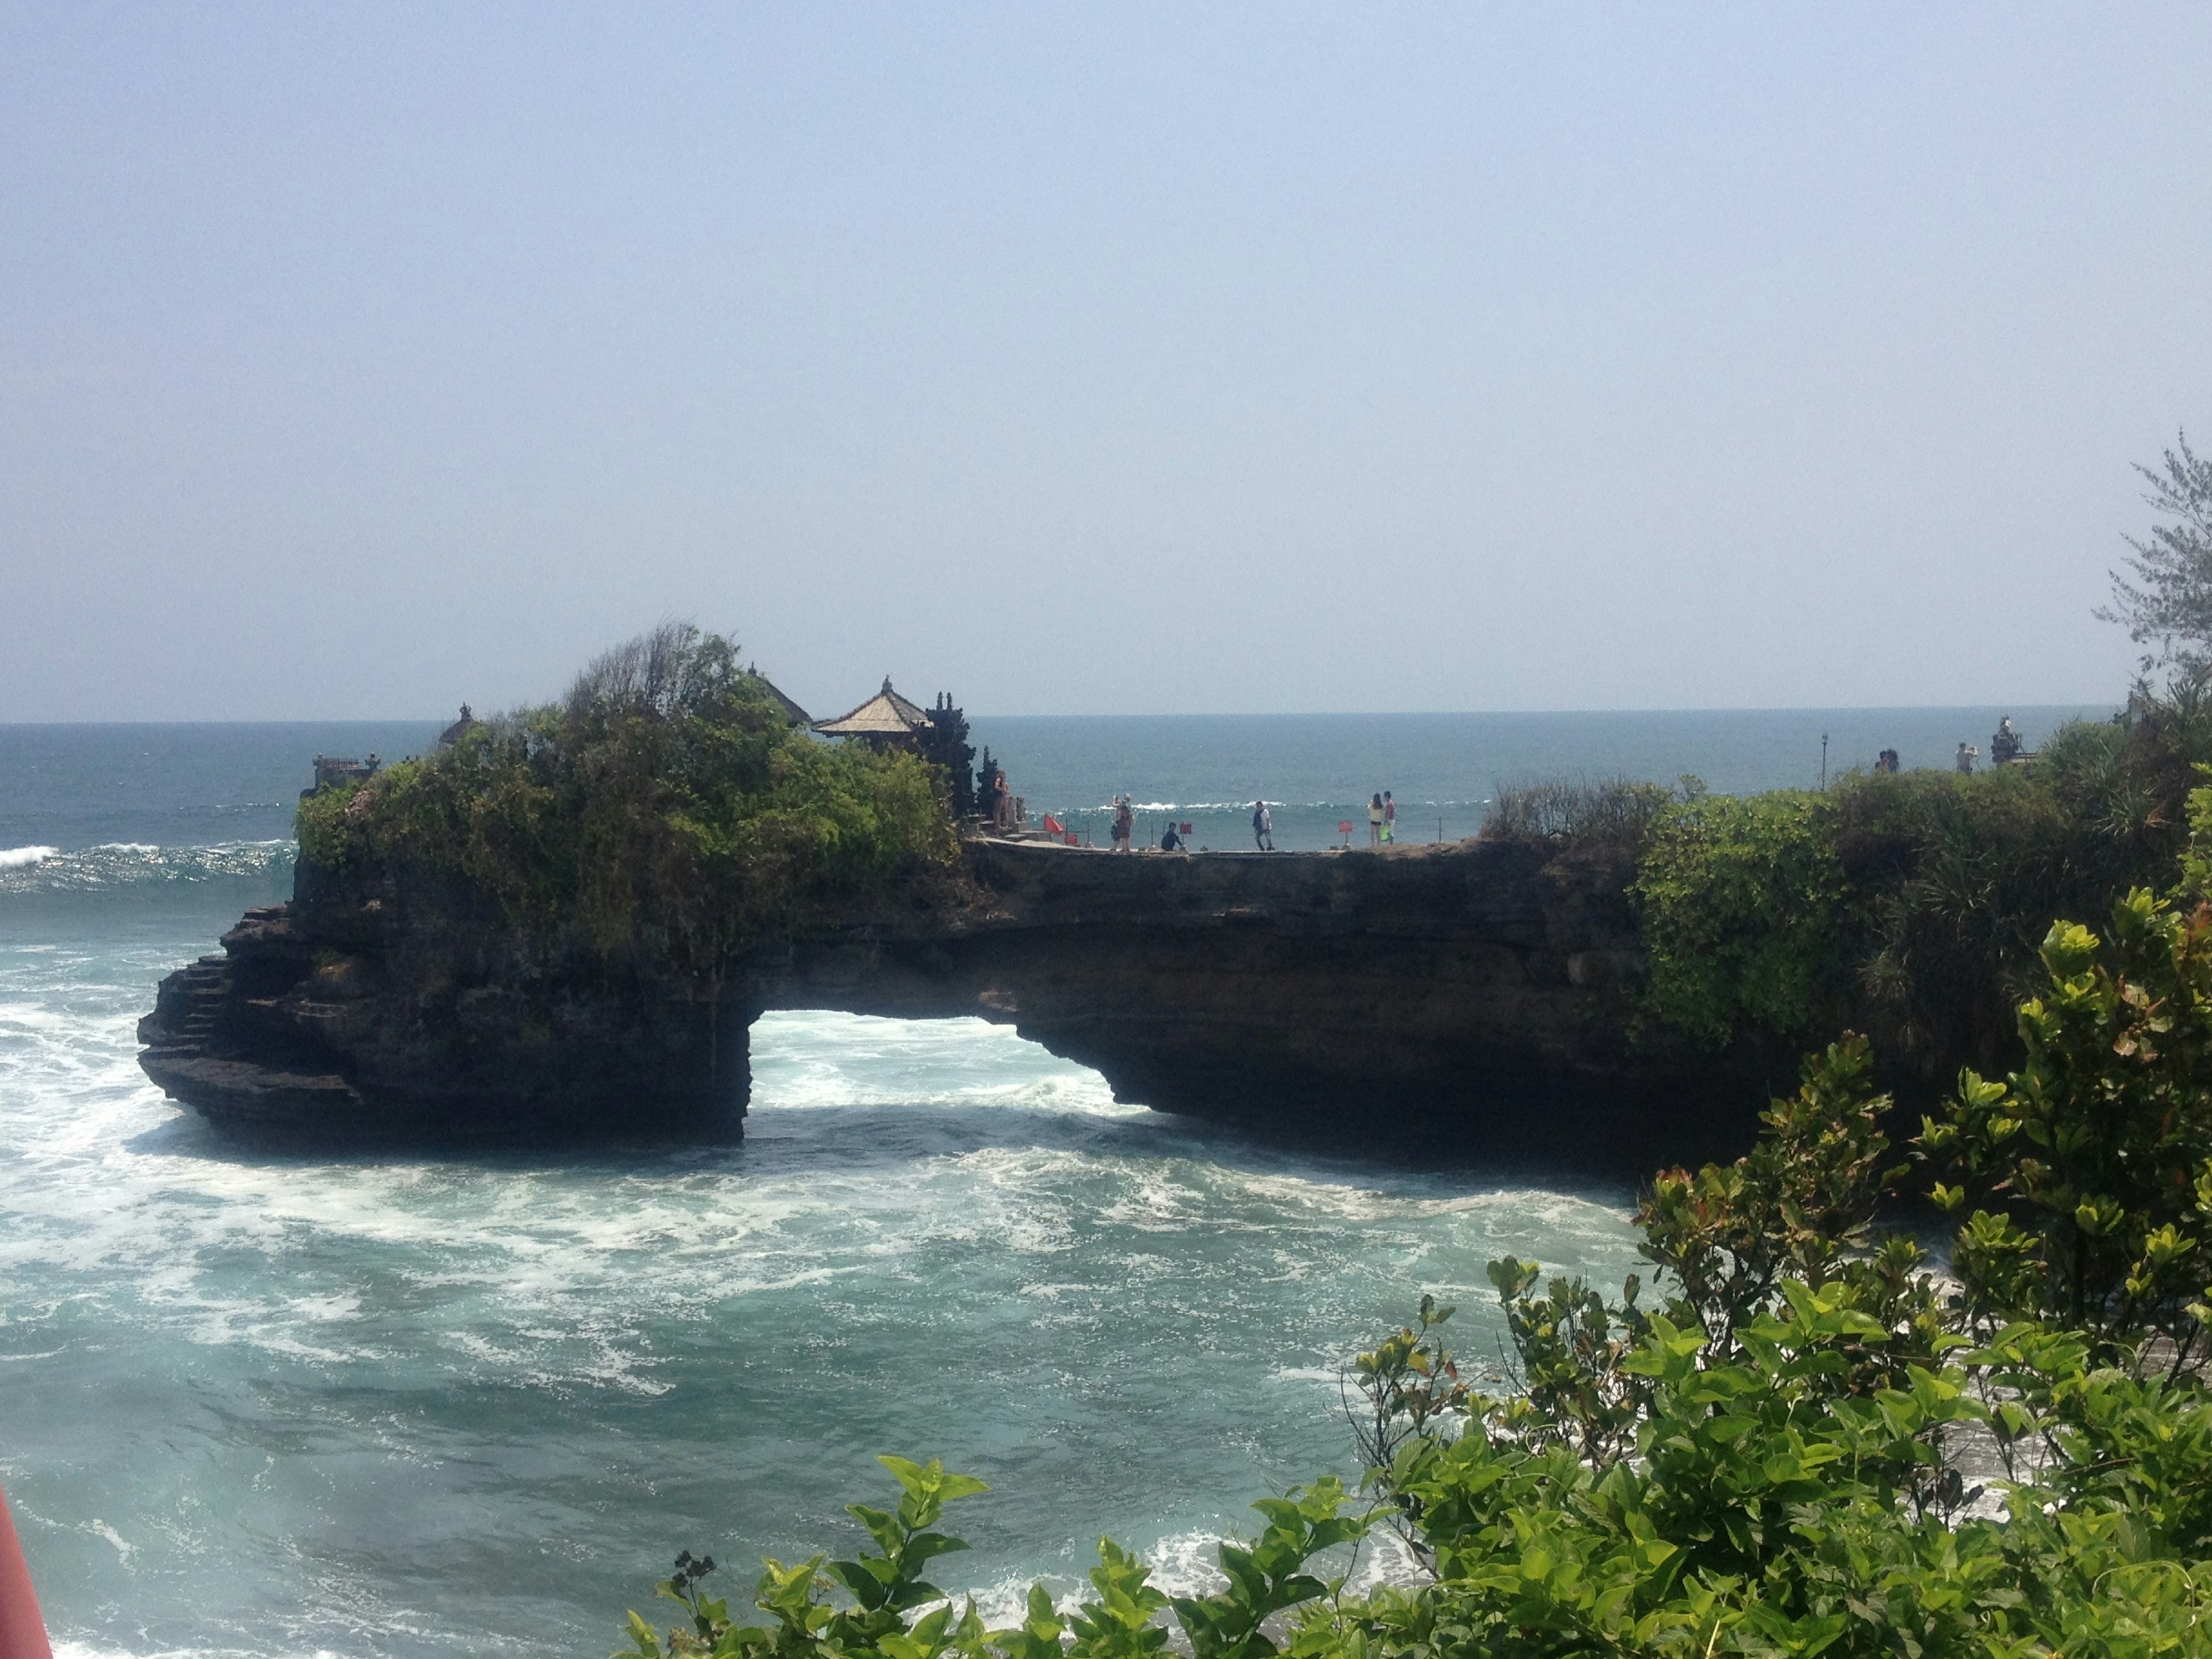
<point x="1318" y="771"/>
<point x="264" y="1404"/>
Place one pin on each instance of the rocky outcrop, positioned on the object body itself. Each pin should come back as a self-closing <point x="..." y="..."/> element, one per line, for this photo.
<point x="1473" y="992"/>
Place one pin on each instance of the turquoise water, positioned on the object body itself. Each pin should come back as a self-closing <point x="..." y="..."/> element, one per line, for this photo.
<point x="257" y="1405"/>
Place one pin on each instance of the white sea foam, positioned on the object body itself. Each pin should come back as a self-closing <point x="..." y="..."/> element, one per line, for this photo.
<point x="129" y="864"/>
<point x="936" y="1231"/>
<point x="122" y="1546"/>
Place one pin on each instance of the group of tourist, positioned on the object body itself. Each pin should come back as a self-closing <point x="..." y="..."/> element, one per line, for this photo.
<point x="1381" y="825"/>
<point x="1382" y="808"/>
<point x="1382" y="820"/>
<point x="2005" y="748"/>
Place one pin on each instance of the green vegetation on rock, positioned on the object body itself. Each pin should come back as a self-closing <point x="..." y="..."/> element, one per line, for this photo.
<point x="1741" y="900"/>
<point x="1914" y="903"/>
<point x="1911" y="905"/>
<point x="663" y="814"/>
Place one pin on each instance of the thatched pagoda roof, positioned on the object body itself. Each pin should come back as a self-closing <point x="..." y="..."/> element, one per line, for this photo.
<point x="886" y="714"/>
<point x="792" y="711"/>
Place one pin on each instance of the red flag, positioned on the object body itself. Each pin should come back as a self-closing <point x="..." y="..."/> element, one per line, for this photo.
<point x="1052" y="826"/>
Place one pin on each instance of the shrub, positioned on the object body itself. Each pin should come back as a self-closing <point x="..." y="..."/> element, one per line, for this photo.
<point x="1119" y="1621"/>
<point x="2090" y="1168"/>
<point x="1913" y="903"/>
<point x="662" y="813"/>
<point x="1612" y="811"/>
<point x="1742" y="901"/>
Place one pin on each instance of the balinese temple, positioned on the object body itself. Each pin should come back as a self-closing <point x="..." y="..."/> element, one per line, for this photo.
<point x="885" y="720"/>
<point x="792" y="711"/>
<point x="460" y="729"/>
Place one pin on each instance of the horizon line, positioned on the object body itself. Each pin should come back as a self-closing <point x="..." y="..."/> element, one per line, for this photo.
<point x="1290" y="713"/>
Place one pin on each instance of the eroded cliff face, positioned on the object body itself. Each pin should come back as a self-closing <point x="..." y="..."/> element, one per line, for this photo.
<point x="1475" y="992"/>
<point x="320" y="1023"/>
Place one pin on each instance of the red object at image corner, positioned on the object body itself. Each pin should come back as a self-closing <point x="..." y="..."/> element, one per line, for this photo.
<point x="22" y="1632"/>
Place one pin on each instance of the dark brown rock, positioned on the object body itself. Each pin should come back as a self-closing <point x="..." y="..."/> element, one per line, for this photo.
<point x="1476" y="993"/>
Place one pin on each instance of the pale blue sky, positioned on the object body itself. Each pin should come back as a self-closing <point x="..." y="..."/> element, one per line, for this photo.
<point x="356" y="359"/>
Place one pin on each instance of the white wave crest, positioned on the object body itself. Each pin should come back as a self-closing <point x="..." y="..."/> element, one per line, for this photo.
<point x="129" y="864"/>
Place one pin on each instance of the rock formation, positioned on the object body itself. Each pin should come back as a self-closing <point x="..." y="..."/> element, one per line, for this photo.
<point x="1473" y="992"/>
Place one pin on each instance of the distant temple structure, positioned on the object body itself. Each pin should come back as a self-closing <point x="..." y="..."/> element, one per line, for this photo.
<point x="887" y="721"/>
<point x="336" y="772"/>
<point x="460" y="729"/>
<point x="793" y="714"/>
<point x="939" y="735"/>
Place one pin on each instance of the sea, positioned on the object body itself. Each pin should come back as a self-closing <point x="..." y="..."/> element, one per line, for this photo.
<point x="260" y="1403"/>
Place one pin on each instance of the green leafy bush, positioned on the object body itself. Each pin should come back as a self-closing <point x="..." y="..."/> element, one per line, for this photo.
<point x="2091" y="1167"/>
<point x="664" y="812"/>
<point x="1119" y="1621"/>
<point x="1913" y="905"/>
<point x="1741" y="900"/>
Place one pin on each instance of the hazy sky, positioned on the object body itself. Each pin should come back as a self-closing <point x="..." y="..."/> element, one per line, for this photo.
<point x="355" y="359"/>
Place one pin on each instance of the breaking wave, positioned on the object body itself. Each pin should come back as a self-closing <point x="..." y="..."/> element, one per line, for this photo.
<point x="134" y="864"/>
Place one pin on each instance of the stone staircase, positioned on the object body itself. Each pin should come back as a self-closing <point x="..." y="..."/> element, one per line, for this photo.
<point x="191" y="1003"/>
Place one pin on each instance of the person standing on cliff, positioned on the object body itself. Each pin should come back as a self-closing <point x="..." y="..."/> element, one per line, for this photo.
<point x="1125" y="822"/>
<point x="1263" y="826"/>
<point x="1375" y="822"/>
<point x="1389" y="818"/>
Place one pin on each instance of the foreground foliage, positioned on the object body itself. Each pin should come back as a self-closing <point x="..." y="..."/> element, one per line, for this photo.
<point x="1797" y="1440"/>
<point x="662" y="814"/>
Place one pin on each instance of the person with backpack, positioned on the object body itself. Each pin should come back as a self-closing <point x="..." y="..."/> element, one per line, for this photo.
<point x="1263" y="826"/>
